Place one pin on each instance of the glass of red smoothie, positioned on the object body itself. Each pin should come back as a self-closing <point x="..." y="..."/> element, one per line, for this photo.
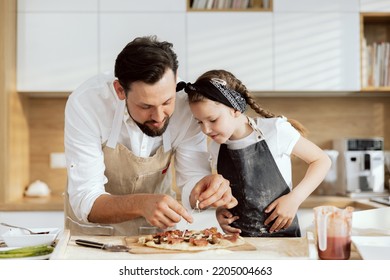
<point x="333" y="230"/>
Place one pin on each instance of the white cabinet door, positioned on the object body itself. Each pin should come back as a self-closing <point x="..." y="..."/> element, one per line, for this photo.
<point x="142" y="6"/>
<point x="57" y="5"/>
<point x="317" y="51"/>
<point x="56" y="51"/>
<point x="118" y="29"/>
<point x="375" y="6"/>
<point x="238" y="42"/>
<point x="316" y="6"/>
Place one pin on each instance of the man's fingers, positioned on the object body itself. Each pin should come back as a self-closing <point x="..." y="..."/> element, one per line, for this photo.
<point x="178" y="211"/>
<point x="168" y="213"/>
<point x="221" y="197"/>
<point x="216" y="185"/>
<point x="233" y="202"/>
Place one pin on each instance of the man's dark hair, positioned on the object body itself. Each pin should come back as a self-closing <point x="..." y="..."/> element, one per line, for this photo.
<point x="144" y="59"/>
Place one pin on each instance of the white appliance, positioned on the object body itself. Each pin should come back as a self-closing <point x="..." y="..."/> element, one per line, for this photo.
<point x="360" y="166"/>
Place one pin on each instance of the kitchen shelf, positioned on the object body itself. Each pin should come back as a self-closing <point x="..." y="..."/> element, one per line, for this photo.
<point x="229" y="6"/>
<point x="50" y="203"/>
<point x="32" y="94"/>
<point x="375" y="51"/>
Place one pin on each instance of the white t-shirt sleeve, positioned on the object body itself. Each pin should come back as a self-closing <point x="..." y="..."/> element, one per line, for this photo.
<point x="287" y="136"/>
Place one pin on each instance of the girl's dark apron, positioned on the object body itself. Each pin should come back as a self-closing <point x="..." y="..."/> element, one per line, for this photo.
<point x="256" y="182"/>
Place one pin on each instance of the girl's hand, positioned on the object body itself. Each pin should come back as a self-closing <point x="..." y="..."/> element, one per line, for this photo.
<point x="283" y="211"/>
<point x="225" y="218"/>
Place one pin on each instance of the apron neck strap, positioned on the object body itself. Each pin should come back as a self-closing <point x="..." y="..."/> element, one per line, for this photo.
<point x="252" y="123"/>
<point x="116" y="124"/>
<point x="167" y="140"/>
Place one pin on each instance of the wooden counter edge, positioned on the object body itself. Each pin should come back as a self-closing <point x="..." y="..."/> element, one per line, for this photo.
<point x="60" y="248"/>
<point x="340" y="202"/>
<point x="49" y="203"/>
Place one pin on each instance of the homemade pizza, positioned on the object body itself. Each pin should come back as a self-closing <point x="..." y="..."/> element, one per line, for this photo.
<point x="191" y="240"/>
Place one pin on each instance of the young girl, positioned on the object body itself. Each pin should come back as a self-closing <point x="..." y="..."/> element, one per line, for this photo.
<point x="254" y="155"/>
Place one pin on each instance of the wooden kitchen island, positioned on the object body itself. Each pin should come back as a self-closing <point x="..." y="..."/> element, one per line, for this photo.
<point x="370" y="223"/>
<point x="303" y="248"/>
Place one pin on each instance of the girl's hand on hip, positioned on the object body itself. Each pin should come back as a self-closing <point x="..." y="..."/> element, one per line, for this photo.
<point x="282" y="212"/>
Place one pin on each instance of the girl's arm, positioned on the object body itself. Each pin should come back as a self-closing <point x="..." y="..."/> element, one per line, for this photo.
<point x="285" y="208"/>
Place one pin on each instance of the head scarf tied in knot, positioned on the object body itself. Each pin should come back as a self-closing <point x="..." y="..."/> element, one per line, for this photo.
<point x="216" y="90"/>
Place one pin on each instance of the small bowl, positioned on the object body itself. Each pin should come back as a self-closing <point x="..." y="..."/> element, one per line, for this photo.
<point x="37" y="189"/>
<point x="15" y="237"/>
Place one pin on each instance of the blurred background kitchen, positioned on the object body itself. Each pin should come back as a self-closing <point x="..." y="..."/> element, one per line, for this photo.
<point x="324" y="63"/>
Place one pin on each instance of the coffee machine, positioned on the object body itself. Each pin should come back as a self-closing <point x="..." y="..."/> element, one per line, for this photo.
<point x="360" y="167"/>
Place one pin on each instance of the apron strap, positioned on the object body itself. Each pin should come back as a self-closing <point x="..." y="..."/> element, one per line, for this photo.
<point x="167" y="140"/>
<point x="259" y="134"/>
<point x="116" y="124"/>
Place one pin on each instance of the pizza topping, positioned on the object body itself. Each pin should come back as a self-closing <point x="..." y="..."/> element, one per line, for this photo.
<point x="190" y="239"/>
<point x="199" y="242"/>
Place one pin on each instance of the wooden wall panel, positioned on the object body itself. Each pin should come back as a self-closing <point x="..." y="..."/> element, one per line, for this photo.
<point x="333" y="117"/>
<point x="46" y="123"/>
<point x="325" y="118"/>
<point x="19" y="173"/>
<point x="13" y="122"/>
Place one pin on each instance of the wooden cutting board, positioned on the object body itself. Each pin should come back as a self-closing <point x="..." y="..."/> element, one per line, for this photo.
<point x="136" y="248"/>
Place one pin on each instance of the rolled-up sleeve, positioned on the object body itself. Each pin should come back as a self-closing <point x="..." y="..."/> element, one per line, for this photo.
<point x="191" y="158"/>
<point x="84" y="158"/>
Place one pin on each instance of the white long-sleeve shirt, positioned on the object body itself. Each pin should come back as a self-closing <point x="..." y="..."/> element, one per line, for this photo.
<point x="89" y="115"/>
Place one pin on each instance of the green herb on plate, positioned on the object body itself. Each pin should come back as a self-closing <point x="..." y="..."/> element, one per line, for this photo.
<point x="30" y="251"/>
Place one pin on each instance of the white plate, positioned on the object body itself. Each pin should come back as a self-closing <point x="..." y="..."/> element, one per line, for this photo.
<point x="43" y="257"/>
<point x="373" y="247"/>
<point x="15" y="237"/>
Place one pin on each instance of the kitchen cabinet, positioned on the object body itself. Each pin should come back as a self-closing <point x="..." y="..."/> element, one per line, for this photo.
<point x="294" y="45"/>
<point x="316" y="6"/>
<point x="142" y="6"/>
<point x="316" y="45"/>
<point x="374" y="6"/>
<point x="240" y="42"/>
<point x="130" y="19"/>
<point x="118" y="29"/>
<point x="57" y="44"/>
<point x="61" y="44"/>
<point x="57" y="5"/>
<point x="56" y="51"/>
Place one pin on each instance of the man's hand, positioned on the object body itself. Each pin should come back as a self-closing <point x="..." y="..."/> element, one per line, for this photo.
<point x="213" y="191"/>
<point x="163" y="211"/>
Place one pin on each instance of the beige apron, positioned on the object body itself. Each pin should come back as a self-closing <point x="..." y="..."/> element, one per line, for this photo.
<point x="127" y="174"/>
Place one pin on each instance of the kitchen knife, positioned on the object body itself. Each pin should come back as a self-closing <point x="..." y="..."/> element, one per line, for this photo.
<point x="97" y="245"/>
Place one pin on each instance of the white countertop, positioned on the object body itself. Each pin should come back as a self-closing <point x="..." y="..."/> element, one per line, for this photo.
<point x="265" y="248"/>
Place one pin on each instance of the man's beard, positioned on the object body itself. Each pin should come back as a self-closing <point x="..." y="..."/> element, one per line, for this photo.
<point x="152" y="132"/>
